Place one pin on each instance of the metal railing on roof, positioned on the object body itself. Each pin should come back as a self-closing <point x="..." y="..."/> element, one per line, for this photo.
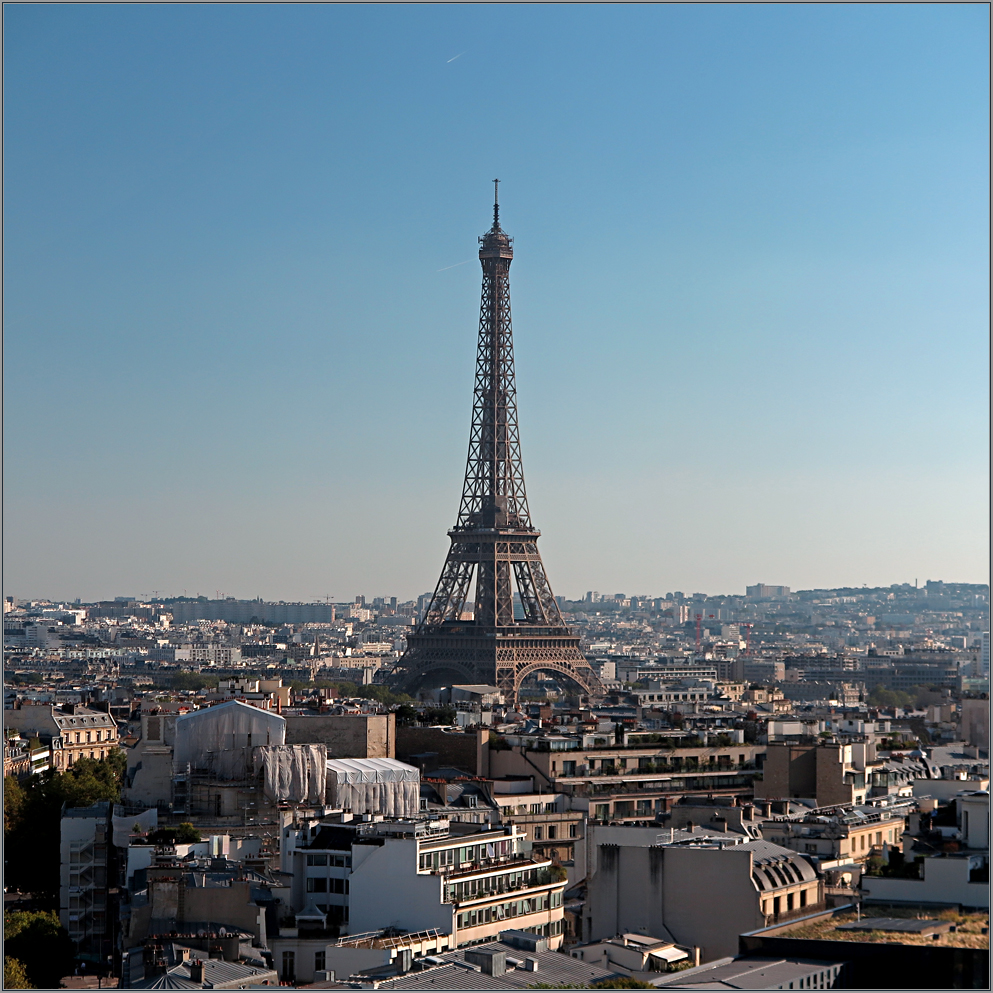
<point x="378" y="939"/>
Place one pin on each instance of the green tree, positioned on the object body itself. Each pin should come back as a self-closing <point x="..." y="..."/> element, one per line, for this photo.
<point x="14" y="799"/>
<point x="882" y="697"/>
<point x="14" y="975"/>
<point x="36" y="939"/>
<point x="183" y="834"/>
<point x="192" y="681"/>
<point x="440" y="715"/>
<point x="186" y="833"/>
<point x="406" y="715"/>
<point x="38" y="822"/>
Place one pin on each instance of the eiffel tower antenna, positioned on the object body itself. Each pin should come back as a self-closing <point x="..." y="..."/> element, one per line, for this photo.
<point x="471" y="631"/>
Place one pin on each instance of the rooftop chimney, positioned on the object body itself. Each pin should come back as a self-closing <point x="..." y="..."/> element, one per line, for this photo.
<point x="196" y="971"/>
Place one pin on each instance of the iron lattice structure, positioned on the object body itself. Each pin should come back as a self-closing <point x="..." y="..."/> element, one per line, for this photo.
<point x="484" y="640"/>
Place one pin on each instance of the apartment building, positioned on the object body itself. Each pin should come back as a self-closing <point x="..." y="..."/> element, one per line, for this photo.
<point x="466" y="880"/>
<point x="847" y="834"/>
<point x="72" y="732"/>
<point x="84" y="878"/>
<point x="675" y="694"/>
<point x="634" y="782"/>
<point x="546" y="820"/>
<point x="700" y="889"/>
<point x="827" y="772"/>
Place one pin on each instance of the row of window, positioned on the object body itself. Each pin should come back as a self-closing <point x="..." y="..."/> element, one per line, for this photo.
<point x="775" y="905"/>
<point x="860" y="842"/>
<point x="472" y="889"/>
<point x="325" y="885"/>
<point x="553" y="832"/>
<point x="659" y="763"/>
<point x="531" y="808"/>
<point x="660" y="697"/>
<point x="504" y="911"/>
<point x="317" y="858"/>
<point x="94" y="754"/>
<point x="106" y="736"/>
<point x="776" y="874"/>
<point x="465" y="853"/>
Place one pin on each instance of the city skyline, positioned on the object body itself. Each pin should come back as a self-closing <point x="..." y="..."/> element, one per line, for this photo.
<point x="240" y="330"/>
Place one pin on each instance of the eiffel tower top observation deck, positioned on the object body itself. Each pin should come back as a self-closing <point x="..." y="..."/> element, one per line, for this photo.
<point x="483" y="639"/>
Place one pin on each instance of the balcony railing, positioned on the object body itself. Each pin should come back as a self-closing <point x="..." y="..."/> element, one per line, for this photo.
<point x="502" y="888"/>
<point x="513" y="863"/>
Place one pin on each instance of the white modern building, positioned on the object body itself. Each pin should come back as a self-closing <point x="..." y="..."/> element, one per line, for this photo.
<point x="465" y="880"/>
<point x="85" y="842"/>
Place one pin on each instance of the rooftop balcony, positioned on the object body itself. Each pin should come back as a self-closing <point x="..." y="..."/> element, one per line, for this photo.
<point x="510" y="862"/>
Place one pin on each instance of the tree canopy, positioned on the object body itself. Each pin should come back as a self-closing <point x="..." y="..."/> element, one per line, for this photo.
<point x="33" y="814"/>
<point x="37" y="941"/>
<point x="14" y="975"/>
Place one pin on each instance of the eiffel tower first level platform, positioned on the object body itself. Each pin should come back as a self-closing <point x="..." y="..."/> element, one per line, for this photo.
<point x="492" y="618"/>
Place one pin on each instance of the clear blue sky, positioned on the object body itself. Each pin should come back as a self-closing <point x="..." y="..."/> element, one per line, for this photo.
<point x="750" y="292"/>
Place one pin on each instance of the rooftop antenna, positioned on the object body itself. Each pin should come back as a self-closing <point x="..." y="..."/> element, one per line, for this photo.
<point x="496" y="204"/>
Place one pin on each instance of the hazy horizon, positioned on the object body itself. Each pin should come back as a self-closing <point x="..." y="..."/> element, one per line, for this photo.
<point x="750" y="293"/>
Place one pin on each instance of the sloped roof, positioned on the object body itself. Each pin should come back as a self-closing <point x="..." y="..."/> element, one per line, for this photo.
<point x="216" y="972"/>
<point x="213" y="713"/>
<point x="171" y="980"/>
<point x="554" y="969"/>
<point x="766" y="854"/>
<point x="746" y="974"/>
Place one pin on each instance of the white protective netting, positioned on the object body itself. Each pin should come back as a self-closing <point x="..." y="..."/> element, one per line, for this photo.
<point x="374" y="786"/>
<point x="293" y="773"/>
<point x="219" y="740"/>
<point x="123" y="824"/>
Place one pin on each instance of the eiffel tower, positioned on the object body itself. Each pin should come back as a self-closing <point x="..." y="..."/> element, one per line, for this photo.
<point x="484" y="640"/>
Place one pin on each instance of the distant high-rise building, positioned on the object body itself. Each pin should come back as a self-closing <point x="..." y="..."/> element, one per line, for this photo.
<point x="762" y="590"/>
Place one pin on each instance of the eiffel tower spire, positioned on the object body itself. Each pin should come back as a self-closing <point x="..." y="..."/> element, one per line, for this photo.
<point x="483" y="639"/>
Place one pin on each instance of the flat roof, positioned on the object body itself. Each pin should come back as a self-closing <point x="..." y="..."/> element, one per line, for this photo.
<point x="968" y="926"/>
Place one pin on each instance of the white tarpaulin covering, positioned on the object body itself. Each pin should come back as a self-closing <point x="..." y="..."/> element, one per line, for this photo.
<point x="220" y="739"/>
<point x="122" y="824"/>
<point x="374" y="786"/>
<point x="293" y="773"/>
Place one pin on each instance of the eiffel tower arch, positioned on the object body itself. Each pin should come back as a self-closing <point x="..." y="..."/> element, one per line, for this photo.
<point x="471" y="631"/>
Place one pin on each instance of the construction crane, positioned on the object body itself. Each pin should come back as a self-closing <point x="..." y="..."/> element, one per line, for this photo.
<point x="748" y="636"/>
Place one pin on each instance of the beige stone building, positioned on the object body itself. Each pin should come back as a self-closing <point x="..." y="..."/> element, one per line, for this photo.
<point x="846" y="835"/>
<point x="631" y="782"/>
<point x="72" y="731"/>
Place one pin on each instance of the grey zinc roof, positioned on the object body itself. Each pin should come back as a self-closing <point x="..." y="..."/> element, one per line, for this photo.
<point x="553" y="968"/>
<point x="84" y="719"/>
<point x="170" y="980"/>
<point x="747" y="974"/>
<point x="766" y="853"/>
<point x="446" y="977"/>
